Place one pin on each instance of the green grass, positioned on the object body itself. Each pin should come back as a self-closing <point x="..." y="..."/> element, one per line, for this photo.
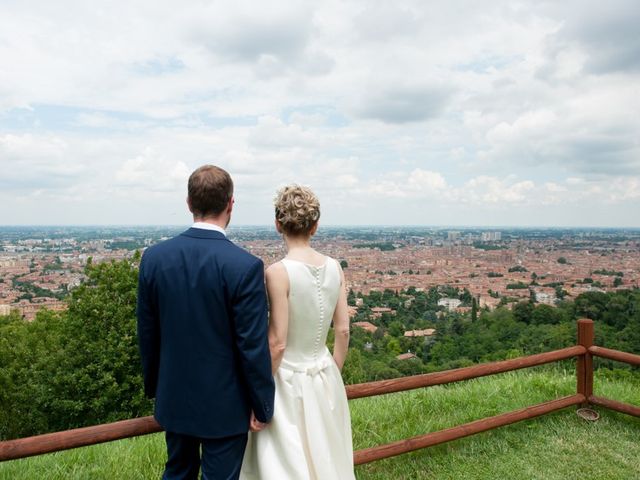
<point x="557" y="446"/>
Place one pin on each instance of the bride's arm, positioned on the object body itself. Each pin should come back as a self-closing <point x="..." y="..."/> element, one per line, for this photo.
<point x="278" y="292"/>
<point x="341" y="325"/>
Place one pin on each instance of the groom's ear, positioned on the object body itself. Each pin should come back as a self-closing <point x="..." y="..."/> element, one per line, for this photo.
<point x="189" y="204"/>
<point x="232" y="200"/>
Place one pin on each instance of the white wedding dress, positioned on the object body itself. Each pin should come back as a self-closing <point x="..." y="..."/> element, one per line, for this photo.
<point x="310" y="434"/>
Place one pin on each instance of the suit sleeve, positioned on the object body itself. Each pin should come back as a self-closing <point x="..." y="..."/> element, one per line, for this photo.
<point x="148" y="332"/>
<point x="250" y="324"/>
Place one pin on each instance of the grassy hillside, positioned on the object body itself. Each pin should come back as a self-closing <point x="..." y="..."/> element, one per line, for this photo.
<point x="557" y="446"/>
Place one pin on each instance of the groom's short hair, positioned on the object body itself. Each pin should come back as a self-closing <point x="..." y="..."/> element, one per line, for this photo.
<point x="210" y="189"/>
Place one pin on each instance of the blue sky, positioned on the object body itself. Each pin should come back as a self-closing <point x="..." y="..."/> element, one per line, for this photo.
<point x="512" y="113"/>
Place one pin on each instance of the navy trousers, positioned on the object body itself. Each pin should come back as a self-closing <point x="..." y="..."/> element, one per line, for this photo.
<point x="219" y="458"/>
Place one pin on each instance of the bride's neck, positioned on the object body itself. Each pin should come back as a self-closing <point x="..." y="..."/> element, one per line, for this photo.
<point x="297" y="243"/>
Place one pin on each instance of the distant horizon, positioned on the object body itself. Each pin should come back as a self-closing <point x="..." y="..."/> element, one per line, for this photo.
<point x="381" y="225"/>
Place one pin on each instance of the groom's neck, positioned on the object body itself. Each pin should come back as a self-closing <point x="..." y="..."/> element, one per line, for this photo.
<point x="220" y="221"/>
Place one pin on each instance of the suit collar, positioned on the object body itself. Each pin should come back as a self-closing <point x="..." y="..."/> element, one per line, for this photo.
<point x="202" y="233"/>
<point x="209" y="226"/>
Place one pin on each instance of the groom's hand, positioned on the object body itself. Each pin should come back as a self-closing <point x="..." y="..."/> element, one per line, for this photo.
<point x="256" y="425"/>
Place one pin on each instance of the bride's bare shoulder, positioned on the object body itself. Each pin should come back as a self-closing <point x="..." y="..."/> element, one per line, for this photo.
<point x="276" y="270"/>
<point x="277" y="279"/>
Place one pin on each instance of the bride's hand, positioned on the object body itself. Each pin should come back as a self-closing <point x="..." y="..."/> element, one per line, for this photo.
<point x="255" y="425"/>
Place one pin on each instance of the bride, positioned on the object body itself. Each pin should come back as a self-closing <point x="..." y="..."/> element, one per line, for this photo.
<point x="310" y="434"/>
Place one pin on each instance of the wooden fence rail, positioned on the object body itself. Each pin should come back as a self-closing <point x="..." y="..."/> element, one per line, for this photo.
<point x="615" y="405"/>
<point x="583" y="351"/>
<point x="450" y="376"/>
<point x="78" y="437"/>
<point x="435" y="438"/>
<point x="616" y="355"/>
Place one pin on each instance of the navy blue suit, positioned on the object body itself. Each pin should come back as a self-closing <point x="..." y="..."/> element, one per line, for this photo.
<point x="202" y="331"/>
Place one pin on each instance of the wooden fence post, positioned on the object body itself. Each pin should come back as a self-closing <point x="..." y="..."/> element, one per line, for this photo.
<point x="584" y="366"/>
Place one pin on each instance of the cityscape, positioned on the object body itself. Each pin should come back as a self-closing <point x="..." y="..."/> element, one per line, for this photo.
<point x="39" y="266"/>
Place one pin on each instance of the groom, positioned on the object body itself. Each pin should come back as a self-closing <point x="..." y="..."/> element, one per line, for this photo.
<point x="202" y="330"/>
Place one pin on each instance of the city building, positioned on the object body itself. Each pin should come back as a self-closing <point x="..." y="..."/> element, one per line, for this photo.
<point x="427" y="332"/>
<point x="367" y="326"/>
<point x="449" y="303"/>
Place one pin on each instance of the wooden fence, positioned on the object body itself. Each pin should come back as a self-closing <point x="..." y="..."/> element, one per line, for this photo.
<point x="584" y="352"/>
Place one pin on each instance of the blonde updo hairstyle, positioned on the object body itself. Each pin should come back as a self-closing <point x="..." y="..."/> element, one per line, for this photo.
<point x="297" y="210"/>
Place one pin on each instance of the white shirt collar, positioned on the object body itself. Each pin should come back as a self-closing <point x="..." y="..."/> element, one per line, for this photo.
<point x="209" y="226"/>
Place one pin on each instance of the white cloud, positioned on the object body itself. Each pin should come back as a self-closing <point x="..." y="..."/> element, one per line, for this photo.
<point x="404" y="104"/>
<point x="29" y="161"/>
<point x="273" y="133"/>
<point x="494" y="191"/>
<point x="279" y="29"/>
<point x="151" y="171"/>
<point x="423" y="180"/>
<point x="488" y="191"/>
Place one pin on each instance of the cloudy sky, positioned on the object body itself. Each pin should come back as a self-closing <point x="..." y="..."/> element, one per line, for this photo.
<point x="424" y="113"/>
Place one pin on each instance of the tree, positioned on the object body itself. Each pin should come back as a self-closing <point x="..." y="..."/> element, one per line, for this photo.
<point x="27" y="350"/>
<point x="522" y="312"/>
<point x="465" y="297"/>
<point x="351" y="298"/>
<point x="379" y="370"/>
<point x="517" y="268"/>
<point x="562" y="260"/>
<point x="344" y="264"/>
<point x="354" y="367"/>
<point x="560" y="292"/>
<point x="457" y="327"/>
<point x="101" y="381"/>
<point x="411" y="366"/>
<point x="396" y="329"/>
<point x="474" y="311"/>
<point x="393" y="346"/>
<point x="544" y="314"/>
<point x="79" y="367"/>
<point x="443" y="351"/>
<point x="591" y="305"/>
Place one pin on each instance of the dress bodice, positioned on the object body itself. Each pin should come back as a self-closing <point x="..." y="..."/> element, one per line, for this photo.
<point x="313" y="294"/>
<point x="309" y="437"/>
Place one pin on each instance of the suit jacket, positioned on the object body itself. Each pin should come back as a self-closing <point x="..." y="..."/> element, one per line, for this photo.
<point x="202" y="331"/>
